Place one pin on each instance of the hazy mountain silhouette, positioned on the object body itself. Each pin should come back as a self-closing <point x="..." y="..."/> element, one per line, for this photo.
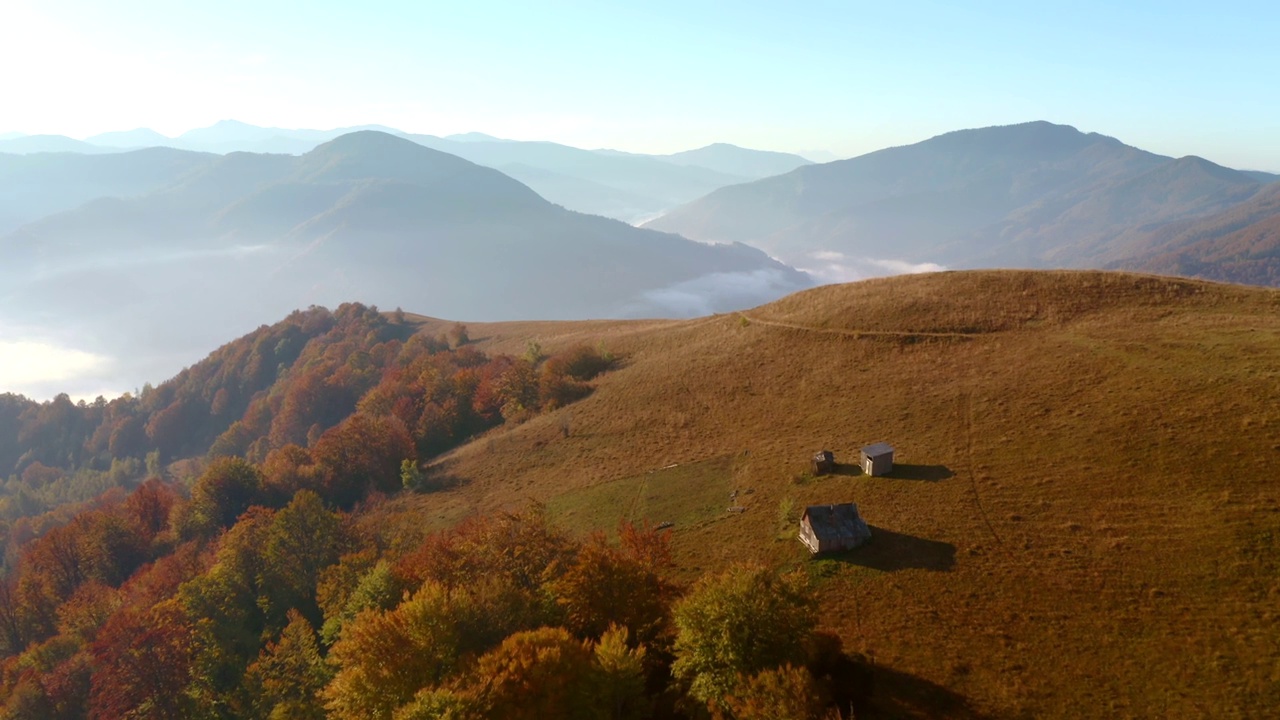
<point x="626" y="186"/>
<point x="733" y="160"/>
<point x="246" y="237"/>
<point x="139" y="138"/>
<point x="475" y="137"/>
<point x="636" y="175"/>
<point x="28" y="144"/>
<point x="35" y="185"/>
<point x="1036" y="194"/>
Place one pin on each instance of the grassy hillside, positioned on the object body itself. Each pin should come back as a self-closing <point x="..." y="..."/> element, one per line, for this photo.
<point x="1084" y="518"/>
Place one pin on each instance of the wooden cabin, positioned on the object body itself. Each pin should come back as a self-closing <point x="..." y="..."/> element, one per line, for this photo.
<point x="828" y="528"/>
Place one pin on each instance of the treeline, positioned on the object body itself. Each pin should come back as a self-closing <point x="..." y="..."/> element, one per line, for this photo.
<point x="280" y="388"/>
<point x="299" y="611"/>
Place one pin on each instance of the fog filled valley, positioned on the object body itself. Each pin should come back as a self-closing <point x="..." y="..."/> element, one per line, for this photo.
<point x="663" y="361"/>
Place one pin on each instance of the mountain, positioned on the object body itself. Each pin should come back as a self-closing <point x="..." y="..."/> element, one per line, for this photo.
<point x="1240" y="244"/>
<point x="635" y="175"/>
<point x="733" y="160"/>
<point x="139" y="138"/>
<point x="227" y="136"/>
<point x="33" y="186"/>
<point x="1036" y="194"/>
<point x="474" y="137"/>
<point x="28" y="144"/>
<point x="370" y="215"/>
<point x="585" y="196"/>
<point x="11" y="135"/>
<point x="624" y="186"/>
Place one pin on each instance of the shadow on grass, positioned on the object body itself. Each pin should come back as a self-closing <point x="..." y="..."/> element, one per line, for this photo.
<point x="889" y="551"/>
<point x="924" y="473"/>
<point x="439" y="475"/>
<point x="861" y="689"/>
<point x="846" y="469"/>
<point x="896" y="694"/>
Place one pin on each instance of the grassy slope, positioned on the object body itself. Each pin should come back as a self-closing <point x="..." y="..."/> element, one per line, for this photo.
<point x="1087" y="520"/>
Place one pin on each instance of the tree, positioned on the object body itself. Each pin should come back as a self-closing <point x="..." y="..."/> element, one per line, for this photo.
<point x="362" y="454"/>
<point x="226" y="489"/>
<point x="303" y="540"/>
<point x="458" y="335"/>
<point x="289" y="674"/>
<point x="617" y="687"/>
<point x="536" y="674"/>
<point x="783" y="693"/>
<point x="142" y="663"/>
<point x="384" y="658"/>
<point x="605" y="586"/>
<point x="741" y="622"/>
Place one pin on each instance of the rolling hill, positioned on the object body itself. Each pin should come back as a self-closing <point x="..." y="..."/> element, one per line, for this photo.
<point x="248" y="237"/>
<point x="1063" y="532"/>
<point x="1031" y="195"/>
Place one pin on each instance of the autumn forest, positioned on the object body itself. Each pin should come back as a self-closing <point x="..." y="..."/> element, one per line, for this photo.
<point x="212" y="548"/>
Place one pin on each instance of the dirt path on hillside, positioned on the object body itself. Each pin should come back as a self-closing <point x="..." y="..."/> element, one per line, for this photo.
<point x="856" y="333"/>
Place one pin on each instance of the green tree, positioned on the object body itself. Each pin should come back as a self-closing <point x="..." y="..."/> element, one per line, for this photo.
<point x="289" y="674"/>
<point x="226" y="489"/>
<point x="617" y="687"/>
<point x="741" y="622"/>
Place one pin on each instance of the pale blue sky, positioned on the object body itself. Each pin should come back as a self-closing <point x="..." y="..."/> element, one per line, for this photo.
<point x="1174" y="77"/>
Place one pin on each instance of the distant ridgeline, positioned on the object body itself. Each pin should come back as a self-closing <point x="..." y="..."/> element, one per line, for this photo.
<point x="319" y="379"/>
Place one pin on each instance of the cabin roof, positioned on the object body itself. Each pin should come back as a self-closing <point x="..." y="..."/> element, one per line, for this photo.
<point x="878" y="449"/>
<point x="830" y="522"/>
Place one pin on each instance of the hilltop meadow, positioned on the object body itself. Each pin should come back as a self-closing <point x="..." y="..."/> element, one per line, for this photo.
<point x="1082" y="519"/>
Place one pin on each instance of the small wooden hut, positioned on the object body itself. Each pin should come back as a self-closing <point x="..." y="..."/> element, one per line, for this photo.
<point x="827" y="528"/>
<point x="877" y="459"/>
<point x="824" y="462"/>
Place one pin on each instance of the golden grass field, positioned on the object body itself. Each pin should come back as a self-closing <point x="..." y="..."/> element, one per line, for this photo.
<point x="1086" y="517"/>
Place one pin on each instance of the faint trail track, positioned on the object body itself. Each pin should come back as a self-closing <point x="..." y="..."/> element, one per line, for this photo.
<point x="966" y="398"/>
<point x="857" y="333"/>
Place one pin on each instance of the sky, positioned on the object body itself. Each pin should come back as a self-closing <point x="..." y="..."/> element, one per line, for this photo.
<point x="848" y="77"/>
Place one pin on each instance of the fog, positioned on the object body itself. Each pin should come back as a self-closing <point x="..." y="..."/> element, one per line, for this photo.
<point x="715" y="293"/>
<point x="829" y="266"/>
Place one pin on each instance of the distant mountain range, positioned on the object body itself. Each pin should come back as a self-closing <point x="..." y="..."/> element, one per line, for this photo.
<point x="231" y="241"/>
<point x="625" y="186"/>
<point x="1031" y="195"/>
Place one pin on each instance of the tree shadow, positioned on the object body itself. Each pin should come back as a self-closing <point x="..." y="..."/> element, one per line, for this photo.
<point x="889" y="551"/>
<point x="440" y="475"/>
<point x="923" y="473"/>
<point x="858" y="688"/>
<point x="896" y="694"/>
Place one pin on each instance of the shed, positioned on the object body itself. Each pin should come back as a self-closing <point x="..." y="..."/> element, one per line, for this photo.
<point x="877" y="459"/>
<point x="825" y="528"/>
<point x="824" y="461"/>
